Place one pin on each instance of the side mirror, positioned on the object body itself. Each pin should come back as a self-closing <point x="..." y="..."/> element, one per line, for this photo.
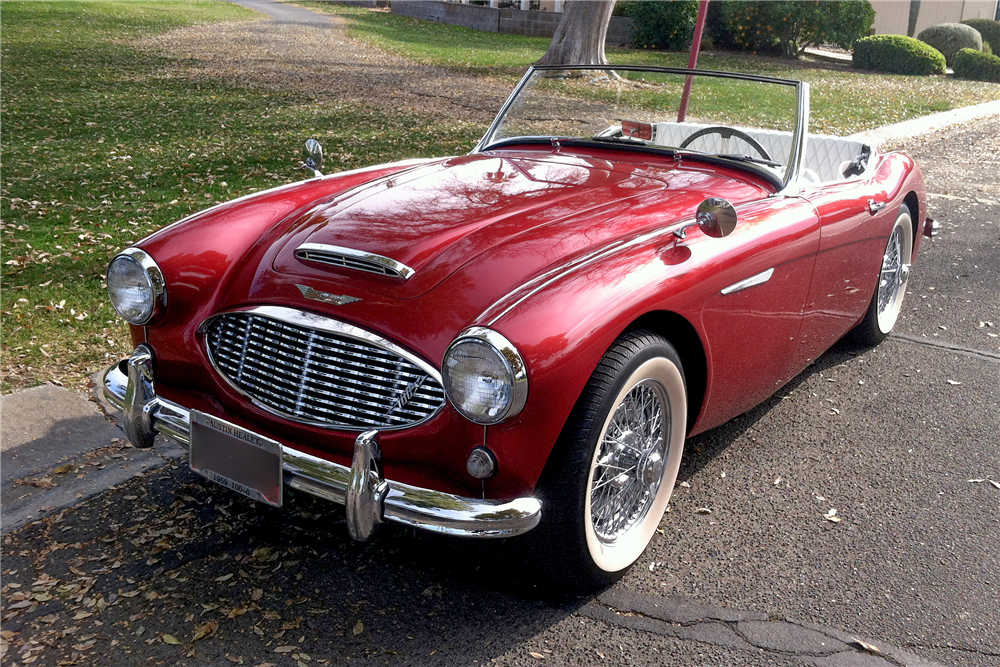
<point x="715" y="217"/>
<point x="313" y="158"/>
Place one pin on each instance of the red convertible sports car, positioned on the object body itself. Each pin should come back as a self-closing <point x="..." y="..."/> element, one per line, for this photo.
<point x="519" y="340"/>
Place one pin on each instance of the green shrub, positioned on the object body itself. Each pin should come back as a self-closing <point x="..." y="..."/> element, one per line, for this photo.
<point x="988" y="29"/>
<point x="717" y="27"/>
<point x="971" y="64"/>
<point x="787" y="28"/>
<point x="949" y="38"/>
<point x="661" y="25"/>
<point x="897" y="54"/>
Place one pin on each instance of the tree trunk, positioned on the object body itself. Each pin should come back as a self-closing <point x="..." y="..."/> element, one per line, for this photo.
<point x="579" y="39"/>
<point x="914" y="15"/>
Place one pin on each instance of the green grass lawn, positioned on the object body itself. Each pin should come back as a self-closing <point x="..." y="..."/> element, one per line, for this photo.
<point x="102" y="144"/>
<point x="843" y="102"/>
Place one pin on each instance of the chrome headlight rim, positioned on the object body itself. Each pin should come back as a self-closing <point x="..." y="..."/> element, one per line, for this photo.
<point x="512" y="360"/>
<point x="158" y="285"/>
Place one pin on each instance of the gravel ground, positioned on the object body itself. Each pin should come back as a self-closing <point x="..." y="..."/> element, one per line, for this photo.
<point x="322" y="64"/>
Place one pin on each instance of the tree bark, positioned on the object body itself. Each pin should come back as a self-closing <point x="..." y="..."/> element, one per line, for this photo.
<point x="579" y="39"/>
<point x="914" y="15"/>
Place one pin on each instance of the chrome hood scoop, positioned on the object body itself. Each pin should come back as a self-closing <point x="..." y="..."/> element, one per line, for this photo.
<point x="350" y="258"/>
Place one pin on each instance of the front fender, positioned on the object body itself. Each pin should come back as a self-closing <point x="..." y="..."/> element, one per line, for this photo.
<point x="563" y="328"/>
<point x="565" y="321"/>
<point x="203" y="254"/>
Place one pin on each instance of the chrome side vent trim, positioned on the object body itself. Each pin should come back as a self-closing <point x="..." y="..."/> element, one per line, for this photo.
<point x="349" y="258"/>
<point x="752" y="281"/>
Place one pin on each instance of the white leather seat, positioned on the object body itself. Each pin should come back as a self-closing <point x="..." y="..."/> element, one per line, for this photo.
<point x="825" y="159"/>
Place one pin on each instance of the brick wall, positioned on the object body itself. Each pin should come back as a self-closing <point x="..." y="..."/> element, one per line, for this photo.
<point x="510" y="21"/>
<point x="467" y="16"/>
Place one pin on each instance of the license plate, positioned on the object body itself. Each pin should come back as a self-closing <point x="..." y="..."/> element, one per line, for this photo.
<point x="239" y="459"/>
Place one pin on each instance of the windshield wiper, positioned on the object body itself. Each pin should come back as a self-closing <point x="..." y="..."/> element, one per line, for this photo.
<point x="749" y="158"/>
<point x="632" y="141"/>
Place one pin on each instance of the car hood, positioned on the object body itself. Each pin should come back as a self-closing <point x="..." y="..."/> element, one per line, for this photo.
<point x="529" y="209"/>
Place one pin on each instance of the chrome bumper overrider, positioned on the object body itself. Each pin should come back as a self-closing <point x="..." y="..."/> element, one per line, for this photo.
<point x="368" y="497"/>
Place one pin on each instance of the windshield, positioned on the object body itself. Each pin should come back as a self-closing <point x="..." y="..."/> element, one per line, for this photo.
<point x="752" y="121"/>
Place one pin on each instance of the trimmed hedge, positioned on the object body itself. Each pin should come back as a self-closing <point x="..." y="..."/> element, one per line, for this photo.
<point x="970" y="64"/>
<point x="950" y="38"/>
<point x="988" y="29"/>
<point x="897" y="54"/>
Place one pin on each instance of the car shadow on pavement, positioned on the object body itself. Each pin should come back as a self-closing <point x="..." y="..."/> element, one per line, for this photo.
<point x="170" y="567"/>
<point x="700" y="450"/>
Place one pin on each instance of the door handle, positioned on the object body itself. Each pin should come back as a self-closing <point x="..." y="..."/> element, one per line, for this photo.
<point x="874" y="206"/>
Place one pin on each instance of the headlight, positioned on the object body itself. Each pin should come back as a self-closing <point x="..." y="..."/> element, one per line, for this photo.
<point x="136" y="286"/>
<point x="484" y="376"/>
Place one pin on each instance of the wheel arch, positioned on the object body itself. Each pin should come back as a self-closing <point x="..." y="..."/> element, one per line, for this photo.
<point x="913" y="204"/>
<point x="680" y="333"/>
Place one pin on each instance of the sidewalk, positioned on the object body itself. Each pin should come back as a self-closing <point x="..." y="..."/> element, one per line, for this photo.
<point x="58" y="448"/>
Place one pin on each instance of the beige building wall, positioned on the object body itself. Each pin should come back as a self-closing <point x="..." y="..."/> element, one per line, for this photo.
<point x="892" y="17"/>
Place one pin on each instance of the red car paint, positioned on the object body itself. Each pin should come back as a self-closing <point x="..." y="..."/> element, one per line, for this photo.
<point x="559" y="251"/>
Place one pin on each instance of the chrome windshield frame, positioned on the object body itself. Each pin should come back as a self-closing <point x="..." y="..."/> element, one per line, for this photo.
<point x="790" y="181"/>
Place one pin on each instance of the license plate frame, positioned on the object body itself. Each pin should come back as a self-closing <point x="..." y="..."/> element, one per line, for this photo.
<point x="237" y="458"/>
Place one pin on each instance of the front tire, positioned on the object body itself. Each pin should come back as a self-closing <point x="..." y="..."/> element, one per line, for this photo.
<point x="611" y="475"/>
<point x="887" y="302"/>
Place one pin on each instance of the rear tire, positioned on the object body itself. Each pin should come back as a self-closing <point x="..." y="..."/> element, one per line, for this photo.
<point x="610" y="476"/>
<point x="887" y="302"/>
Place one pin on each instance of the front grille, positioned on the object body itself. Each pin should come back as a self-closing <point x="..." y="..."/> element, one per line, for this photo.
<point x="318" y="376"/>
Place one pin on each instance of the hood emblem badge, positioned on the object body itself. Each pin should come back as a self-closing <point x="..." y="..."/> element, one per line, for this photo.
<point x="334" y="299"/>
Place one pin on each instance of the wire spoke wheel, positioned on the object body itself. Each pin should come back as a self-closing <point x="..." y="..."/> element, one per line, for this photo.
<point x="629" y="464"/>
<point x="636" y="442"/>
<point x="610" y="477"/>
<point x="891" y="281"/>
<point x="887" y="301"/>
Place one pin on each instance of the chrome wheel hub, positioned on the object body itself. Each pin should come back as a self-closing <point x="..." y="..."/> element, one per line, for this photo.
<point x="651" y="468"/>
<point x="630" y="463"/>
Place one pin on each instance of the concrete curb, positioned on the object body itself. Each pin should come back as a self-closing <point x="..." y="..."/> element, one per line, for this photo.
<point x="916" y="127"/>
<point x="59" y="448"/>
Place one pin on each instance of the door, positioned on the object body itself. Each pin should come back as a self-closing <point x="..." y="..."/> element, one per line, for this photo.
<point x="852" y="240"/>
<point x="752" y="314"/>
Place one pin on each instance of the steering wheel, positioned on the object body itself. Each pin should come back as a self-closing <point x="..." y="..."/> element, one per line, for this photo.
<point x="726" y="133"/>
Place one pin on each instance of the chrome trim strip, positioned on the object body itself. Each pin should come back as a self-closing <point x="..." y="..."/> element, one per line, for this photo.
<point x="426" y="509"/>
<point x="314" y="321"/>
<point x="386" y="265"/>
<point x="493" y="314"/>
<point x="794" y="171"/>
<point x="752" y="281"/>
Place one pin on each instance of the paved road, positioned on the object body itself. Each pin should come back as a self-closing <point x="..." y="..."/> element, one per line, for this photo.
<point x="890" y="437"/>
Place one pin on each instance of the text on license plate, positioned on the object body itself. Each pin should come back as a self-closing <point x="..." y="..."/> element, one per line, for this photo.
<point x="239" y="459"/>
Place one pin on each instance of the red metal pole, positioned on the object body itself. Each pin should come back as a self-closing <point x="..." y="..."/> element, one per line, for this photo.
<point x="699" y="28"/>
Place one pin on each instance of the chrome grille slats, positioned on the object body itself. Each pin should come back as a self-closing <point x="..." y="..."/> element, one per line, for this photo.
<point x="318" y="375"/>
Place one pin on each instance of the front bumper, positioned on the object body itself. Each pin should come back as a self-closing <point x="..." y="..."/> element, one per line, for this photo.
<point x="369" y="499"/>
